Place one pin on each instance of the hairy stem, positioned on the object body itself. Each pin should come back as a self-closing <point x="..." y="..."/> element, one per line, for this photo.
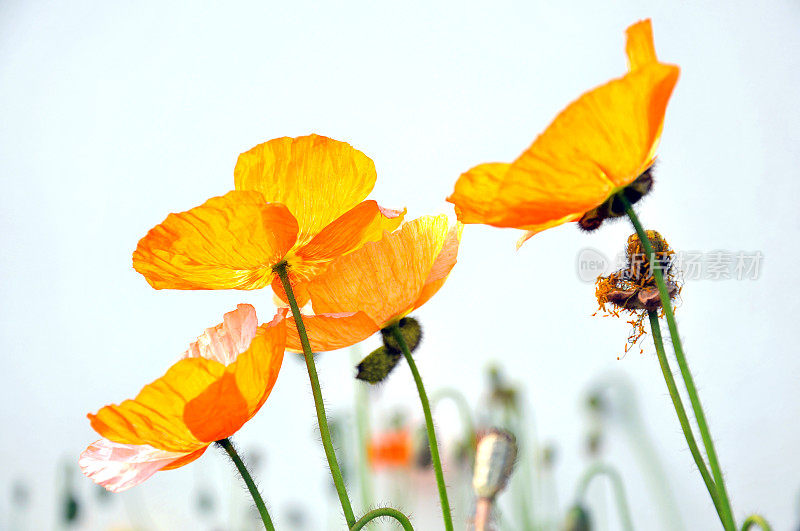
<point x="226" y="445"/>
<point x="383" y="511"/>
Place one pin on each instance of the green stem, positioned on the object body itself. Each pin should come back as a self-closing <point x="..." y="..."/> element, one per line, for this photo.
<point x="322" y="419"/>
<point x="756" y="519"/>
<point x="248" y="480"/>
<point x="616" y="483"/>
<point x="679" y="409"/>
<point x="383" y="511"/>
<point x="727" y="521"/>
<point x="426" y="409"/>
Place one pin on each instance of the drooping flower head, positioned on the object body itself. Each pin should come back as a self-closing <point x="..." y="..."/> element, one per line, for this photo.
<point x="376" y="286"/>
<point x="602" y="143"/>
<point x="299" y="200"/>
<point x="219" y="383"/>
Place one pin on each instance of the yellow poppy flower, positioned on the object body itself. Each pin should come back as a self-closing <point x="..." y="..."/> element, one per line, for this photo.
<point x="374" y="287"/>
<point x="602" y="143"/>
<point x="219" y="383"/>
<point x="296" y="199"/>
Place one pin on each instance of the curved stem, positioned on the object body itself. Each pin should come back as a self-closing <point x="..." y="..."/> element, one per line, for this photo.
<point x="727" y="520"/>
<point x="619" y="491"/>
<point x="426" y="409"/>
<point x="756" y="519"/>
<point x="463" y="408"/>
<point x="322" y="419"/>
<point x="679" y="409"/>
<point x="248" y="480"/>
<point x="383" y="511"/>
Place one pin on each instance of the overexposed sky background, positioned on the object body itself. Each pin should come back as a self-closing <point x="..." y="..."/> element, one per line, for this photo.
<point x="113" y="114"/>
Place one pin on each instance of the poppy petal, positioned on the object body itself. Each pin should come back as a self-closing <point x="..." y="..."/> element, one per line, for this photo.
<point x="224" y="342"/>
<point x="331" y="331"/>
<point x="118" y="467"/>
<point x="639" y="47"/>
<point x="155" y="416"/>
<point x="383" y="279"/>
<point x="472" y="189"/>
<point x="317" y="178"/>
<point x="229" y="242"/>
<point x="299" y="289"/>
<point x="445" y="261"/>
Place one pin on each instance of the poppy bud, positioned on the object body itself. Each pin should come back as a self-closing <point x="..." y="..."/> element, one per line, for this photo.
<point x="377" y="365"/>
<point x="412" y="334"/>
<point x="577" y="519"/>
<point x="494" y="461"/>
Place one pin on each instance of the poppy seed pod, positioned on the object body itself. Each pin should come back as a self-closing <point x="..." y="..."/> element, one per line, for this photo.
<point x="494" y="461"/>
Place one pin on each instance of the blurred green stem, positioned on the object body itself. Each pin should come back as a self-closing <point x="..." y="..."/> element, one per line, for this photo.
<point x="463" y="408"/>
<point x="363" y="433"/>
<point x="756" y="519"/>
<point x="426" y="409"/>
<point x="725" y="504"/>
<point x="226" y="445"/>
<point x="322" y="419"/>
<point x="383" y="511"/>
<point x="616" y="483"/>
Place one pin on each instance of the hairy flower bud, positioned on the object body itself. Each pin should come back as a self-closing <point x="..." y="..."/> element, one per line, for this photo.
<point x="411" y="331"/>
<point x="377" y="365"/>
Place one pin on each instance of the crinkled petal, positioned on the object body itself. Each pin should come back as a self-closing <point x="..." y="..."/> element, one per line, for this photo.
<point x="383" y="279"/>
<point x="317" y="178"/>
<point x="472" y="190"/>
<point x="229" y="242"/>
<point x="224" y="342"/>
<point x="331" y="331"/>
<point x="365" y="223"/>
<point x="225" y="405"/>
<point x="118" y="467"/>
<point x="155" y="416"/>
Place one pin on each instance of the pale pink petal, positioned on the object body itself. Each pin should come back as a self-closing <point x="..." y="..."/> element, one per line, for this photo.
<point x="118" y="467"/>
<point x="224" y="342"/>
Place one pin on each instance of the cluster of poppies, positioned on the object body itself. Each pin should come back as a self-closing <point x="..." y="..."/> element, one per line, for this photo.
<point x="298" y="207"/>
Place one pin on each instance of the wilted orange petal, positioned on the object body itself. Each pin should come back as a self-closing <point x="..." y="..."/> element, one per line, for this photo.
<point x="317" y="178"/>
<point x="228" y="339"/>
<point x="384" y="278"/>
<point x="118" y="467"/>
<point x="229" y="242"/>
<point x="639" y="46"/>
<point x="155" y="416"/>
<point x="331" y="331"/>
<point x="444" y="263"/>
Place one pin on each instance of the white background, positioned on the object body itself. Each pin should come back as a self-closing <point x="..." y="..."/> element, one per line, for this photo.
<point x="113" y="114"/>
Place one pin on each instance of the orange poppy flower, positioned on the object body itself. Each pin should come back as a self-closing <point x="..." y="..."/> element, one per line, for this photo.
<point x="599" y="145"/>
<point x="219" y="383"/>
<point x="296" y="199"/>
<point x="393" y="449"/>
<point x="376" y="286"/>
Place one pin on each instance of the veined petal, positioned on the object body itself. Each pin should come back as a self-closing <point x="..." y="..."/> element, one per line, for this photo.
<point x="383" y="279"/>
<point x="317" y="178"/>
<point x="445" y="261"/>
<point x="476" y="191"/>
<point x="639" y="47"/>
<point x="155" y="416"/>
<point x="229" y="242"/>
<point x="331" y="331"/>
<point x="224" y="342"/>
<point x="118" y="467"/>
